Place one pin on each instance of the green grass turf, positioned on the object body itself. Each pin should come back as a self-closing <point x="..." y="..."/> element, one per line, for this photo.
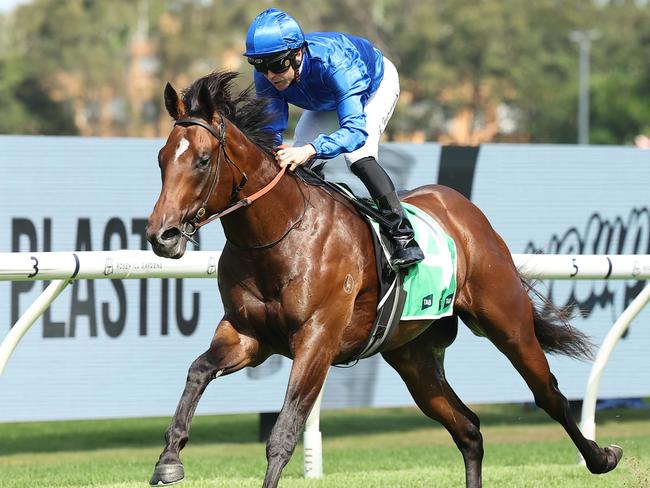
<point x="362" y="448"/>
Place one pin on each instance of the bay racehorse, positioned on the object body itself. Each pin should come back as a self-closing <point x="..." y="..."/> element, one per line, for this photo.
<point x="297" y="277"/>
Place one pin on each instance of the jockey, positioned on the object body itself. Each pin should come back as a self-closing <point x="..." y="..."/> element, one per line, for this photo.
<point x="348" y="91"/>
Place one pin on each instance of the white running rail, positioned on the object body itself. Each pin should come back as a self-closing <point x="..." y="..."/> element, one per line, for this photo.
<point x="63" y="267"/>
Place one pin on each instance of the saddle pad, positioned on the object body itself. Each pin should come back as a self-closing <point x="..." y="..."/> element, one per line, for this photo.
<point x="430" y="285"/>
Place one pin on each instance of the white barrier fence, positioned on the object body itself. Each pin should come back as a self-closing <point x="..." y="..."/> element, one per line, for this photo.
<point x="63" y="267"/>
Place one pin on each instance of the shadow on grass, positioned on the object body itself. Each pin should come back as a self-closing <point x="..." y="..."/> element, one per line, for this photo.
<point x="43" y="437"/>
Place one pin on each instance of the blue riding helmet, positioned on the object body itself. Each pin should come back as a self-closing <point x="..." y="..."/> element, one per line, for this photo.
<point x="273" y="31"/>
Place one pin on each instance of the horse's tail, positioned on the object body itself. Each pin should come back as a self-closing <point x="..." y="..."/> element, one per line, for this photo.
<point x="553" y="330"/>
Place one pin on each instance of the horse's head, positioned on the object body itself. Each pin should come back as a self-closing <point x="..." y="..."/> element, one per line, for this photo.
<point x="193" y="165"/>
<point x="186" y="173"/>
<point x="199" y="177"/>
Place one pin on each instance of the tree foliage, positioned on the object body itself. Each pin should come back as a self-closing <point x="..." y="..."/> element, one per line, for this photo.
<point x="470" y="71"/>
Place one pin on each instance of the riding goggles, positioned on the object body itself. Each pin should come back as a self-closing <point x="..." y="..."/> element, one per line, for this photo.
<point x="277" y="64"/>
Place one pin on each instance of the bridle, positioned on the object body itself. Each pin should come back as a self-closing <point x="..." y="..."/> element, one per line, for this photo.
<point x="189" y="227"/>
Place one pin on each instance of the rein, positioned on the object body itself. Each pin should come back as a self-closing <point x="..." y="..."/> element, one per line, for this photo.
<point x="191" y="226"/>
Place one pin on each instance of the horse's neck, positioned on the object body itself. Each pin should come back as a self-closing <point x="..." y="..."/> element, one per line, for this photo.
<point x="268" y="218"/>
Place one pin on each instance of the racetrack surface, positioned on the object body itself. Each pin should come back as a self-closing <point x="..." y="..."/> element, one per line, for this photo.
<point x="362" y="448"/>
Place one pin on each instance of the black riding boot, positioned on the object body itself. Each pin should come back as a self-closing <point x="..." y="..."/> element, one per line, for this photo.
<point x="381" y="189"/>
<point x="407" y="251"/>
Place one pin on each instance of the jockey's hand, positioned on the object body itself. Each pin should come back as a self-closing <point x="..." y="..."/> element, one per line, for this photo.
<point x="294" y="156"/>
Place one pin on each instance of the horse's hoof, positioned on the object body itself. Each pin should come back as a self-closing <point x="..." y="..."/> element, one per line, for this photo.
<point x="618" y="454"/>
<point x="167" y="474"/>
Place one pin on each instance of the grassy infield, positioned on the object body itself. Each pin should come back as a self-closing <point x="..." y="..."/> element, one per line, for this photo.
<point x="365" y="448"/>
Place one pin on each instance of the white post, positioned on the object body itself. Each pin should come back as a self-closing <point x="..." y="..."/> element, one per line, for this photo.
<point x="588" y="418"/>
<point x="30" y="316"/>
<point x="313" y="441"/>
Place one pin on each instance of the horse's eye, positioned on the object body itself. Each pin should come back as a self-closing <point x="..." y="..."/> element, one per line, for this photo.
<point x="204" y="162"/>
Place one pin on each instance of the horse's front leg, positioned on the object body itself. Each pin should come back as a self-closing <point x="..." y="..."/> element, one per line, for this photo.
<point x="308" y="373"/>
<point x="229" y="351"/>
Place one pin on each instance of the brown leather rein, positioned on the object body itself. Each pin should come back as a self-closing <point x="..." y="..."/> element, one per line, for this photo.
<point x="190" y="227"/>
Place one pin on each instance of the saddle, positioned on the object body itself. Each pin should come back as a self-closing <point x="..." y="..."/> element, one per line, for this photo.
<point x="423" y="291"/>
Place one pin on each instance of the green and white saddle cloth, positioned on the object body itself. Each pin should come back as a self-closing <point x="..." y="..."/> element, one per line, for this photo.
<point x="430" y="286"/>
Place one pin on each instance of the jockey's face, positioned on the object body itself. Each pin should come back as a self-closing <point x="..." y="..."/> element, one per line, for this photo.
<point x="281" y="81"/>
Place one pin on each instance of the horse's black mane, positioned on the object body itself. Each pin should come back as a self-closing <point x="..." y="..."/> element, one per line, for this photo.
<point x="249" y="113"/>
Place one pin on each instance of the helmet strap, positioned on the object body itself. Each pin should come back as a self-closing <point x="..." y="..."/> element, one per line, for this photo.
<point x="296" y="65"/>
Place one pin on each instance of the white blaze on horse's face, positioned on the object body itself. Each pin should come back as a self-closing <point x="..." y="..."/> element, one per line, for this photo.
<point x="181" y="148"/>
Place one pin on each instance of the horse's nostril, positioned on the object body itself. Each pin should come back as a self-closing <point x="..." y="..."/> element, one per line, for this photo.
<point x="170" y="234"/>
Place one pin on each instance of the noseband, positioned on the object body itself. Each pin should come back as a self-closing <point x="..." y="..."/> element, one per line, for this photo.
<point x="190" y="227"/>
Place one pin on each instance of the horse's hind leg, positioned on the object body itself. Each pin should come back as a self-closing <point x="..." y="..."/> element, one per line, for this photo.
<point x="420" y="364"/>
<point x="511" y="327"/>
<point x="228" y="352"/>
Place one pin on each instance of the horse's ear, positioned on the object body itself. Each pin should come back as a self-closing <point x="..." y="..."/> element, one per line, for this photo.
<point x="206" y="103"/>
<point x="171" y="101"/>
